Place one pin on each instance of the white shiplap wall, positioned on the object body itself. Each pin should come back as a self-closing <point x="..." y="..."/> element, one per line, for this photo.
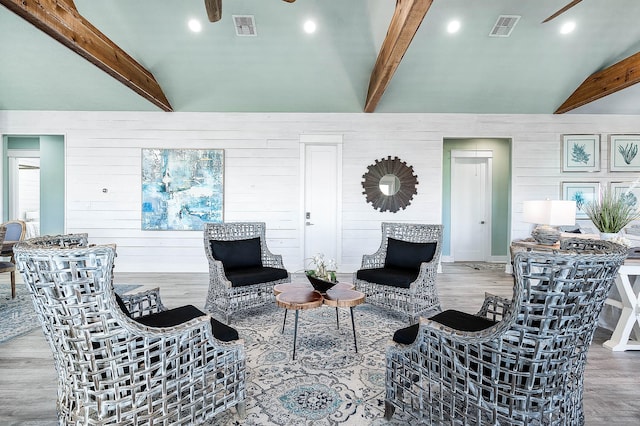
<point x="262" y="171"/>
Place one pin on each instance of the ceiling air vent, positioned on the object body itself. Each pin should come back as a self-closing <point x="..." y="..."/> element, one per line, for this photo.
<point x="504" y="25"/>
<point x="245" y="25"/>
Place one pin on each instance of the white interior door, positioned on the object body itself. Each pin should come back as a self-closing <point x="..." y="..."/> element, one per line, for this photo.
<point x="470" y="205"/>
<point x="321" y="201"/>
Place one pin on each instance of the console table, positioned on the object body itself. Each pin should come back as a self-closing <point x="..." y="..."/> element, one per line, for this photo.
<point x="628" y="285"/>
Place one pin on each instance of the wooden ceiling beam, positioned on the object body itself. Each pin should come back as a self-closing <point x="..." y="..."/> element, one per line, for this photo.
<point x="61" y="20"/>
<point x="603" y="83"/>
<point x="405" y="22"/>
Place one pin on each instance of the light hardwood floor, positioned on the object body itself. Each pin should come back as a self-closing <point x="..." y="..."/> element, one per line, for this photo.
<point x="28" y="378"/>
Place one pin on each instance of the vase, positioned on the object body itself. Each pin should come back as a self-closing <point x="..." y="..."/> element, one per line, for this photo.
<point x="320" y="285"/>
<point x="608" y="236"/>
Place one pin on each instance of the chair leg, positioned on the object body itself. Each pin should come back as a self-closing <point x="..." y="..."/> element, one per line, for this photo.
<point x="13" y="284"/>
<point x="242" y="410"/>
<point x="389" y="409"/>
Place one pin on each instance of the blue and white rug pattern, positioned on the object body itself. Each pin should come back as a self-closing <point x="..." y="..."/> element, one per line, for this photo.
<point x="328" y="383"/>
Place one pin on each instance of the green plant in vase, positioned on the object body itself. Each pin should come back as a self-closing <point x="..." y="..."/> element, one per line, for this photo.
<point x="611" y="212"/>
<point x="324" y="269"/>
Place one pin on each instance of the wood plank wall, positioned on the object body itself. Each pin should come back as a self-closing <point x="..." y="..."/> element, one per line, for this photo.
<point x="262" y="173"/>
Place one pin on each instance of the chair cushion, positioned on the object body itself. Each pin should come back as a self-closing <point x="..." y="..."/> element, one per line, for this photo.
<point x="462" y="321"/>
<point x="254" y="275"/>
<point x="177" y="316"/>
<point x="408" y="255"/>
<point x="406" y="335"/>
<point x="393" y="277"/>
<point x="451" y="318"/>
<point x="237" y="254"/>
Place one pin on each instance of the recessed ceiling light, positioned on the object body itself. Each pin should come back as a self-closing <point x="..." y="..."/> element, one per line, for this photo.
<point x="309" y="27"/>
<point x="567" y="27"/>
<point x="195" y="25"/>
<point x="453" y="27"/>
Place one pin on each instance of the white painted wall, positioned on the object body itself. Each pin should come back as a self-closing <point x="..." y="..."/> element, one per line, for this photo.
<point x="263" y="165"/>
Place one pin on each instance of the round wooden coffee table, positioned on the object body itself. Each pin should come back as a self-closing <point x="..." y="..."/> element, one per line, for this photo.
<point x="298" y="297"/>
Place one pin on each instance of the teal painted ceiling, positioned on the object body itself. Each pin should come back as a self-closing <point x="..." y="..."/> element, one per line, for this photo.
<point x="284" y="69"/>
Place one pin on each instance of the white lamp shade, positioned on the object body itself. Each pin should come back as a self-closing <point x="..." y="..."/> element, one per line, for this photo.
<point x="550" y="212"/>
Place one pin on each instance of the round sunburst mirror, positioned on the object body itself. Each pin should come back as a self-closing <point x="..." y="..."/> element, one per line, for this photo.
<point x="389" y="184"/>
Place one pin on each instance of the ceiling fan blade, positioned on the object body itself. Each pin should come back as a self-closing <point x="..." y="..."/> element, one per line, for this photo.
<point x="561" y="11"/>
<point x="214" y="9"/>
<point x="289" y="1"/>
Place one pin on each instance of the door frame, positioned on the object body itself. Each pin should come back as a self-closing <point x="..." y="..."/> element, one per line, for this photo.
<point x="473" y="153"/>
<point x="320" y="139"/>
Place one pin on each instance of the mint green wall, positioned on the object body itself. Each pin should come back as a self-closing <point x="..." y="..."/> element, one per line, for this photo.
<point x="500" y="191"/>
<point x="51" y="178"/>
<point x="51" y="185"/>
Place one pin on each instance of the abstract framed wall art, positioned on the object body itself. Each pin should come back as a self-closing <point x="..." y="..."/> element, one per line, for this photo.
<point x="581" y="153"/>
<point x="629" y="191"/>
<point x="623" y="153"/>
<point x="182" y="188"/>
<point x="580" y="192"/>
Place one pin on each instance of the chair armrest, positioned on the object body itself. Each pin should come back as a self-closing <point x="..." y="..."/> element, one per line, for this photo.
<point x="217" y="276"/>
<point x="494" y="307"/>
<point x="143" y="303"/>
<point x="426" y="276"/>
<point x="272" y="260"/>
<point x="371" y="261"/>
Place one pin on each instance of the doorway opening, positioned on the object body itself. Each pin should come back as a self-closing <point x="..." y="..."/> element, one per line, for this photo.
<point x="481" y="169"/>
<point x="24" y="189"/>
<point x="33" y="181"/>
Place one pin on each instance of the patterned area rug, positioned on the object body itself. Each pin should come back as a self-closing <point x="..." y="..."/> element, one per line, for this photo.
<point x="328" y="383"/>
<point x="17" y="316"/>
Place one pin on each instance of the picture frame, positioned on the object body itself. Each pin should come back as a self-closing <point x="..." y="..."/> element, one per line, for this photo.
<point x="182" y="188"/>
<point x="624" y="155"/>
<point x="581" y="153"/>
<point x="630" y="190"/>
<point x="580" y="192"/>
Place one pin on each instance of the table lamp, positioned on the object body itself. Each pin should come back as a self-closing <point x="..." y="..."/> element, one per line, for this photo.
<point x="548" y="214"/>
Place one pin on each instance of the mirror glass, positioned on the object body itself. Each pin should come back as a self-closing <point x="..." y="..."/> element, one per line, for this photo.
<point x="389" y="184"/>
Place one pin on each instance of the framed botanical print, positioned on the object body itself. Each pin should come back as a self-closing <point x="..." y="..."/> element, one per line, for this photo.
<point x="581" y="153"/>
<point x="629" y="191"/>
<point x="580" y="192"/>
<point x="623" y="153"/>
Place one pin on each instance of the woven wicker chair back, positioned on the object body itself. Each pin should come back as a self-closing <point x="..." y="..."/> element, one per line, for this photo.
<point x="529" y="367"/>
<point x="112" y="369"/>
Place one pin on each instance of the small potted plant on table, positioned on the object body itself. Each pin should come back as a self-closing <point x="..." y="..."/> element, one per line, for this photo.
<point x="323" y="277"/>
<point x="611" y="213"/>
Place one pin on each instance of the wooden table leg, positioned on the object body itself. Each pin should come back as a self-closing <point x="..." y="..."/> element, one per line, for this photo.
<point x="337" y="319"/>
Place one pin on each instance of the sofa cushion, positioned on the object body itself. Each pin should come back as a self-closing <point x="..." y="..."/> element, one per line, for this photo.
<point x="408" y="255"/>
<point x="393" y="277"/>
<point x="254" y="275"/>
<point x="177" y="316"/>
<point x="237" y="254"/>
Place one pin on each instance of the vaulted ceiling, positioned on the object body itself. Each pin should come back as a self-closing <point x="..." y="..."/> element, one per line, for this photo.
<point x="283" y="69"/>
